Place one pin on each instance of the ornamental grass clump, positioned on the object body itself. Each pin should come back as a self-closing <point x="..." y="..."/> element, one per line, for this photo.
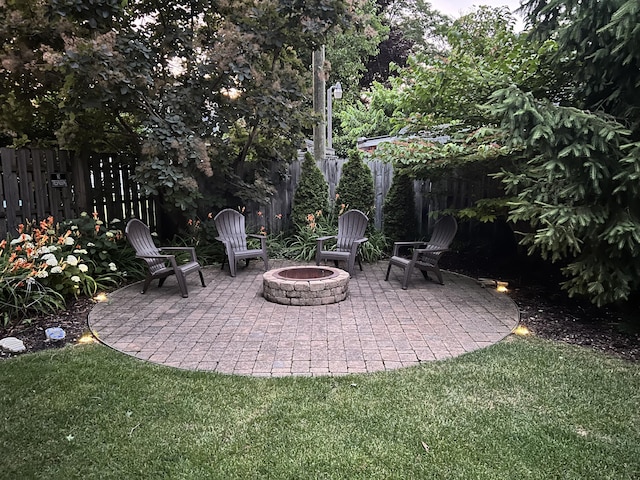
<point x="48" y="264"/>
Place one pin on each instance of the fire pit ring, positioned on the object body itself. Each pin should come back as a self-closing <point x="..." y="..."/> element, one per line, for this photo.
<point x="305" y="285"/>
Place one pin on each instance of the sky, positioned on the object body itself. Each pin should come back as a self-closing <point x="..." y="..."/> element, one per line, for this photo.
<point x="455" y="8"/>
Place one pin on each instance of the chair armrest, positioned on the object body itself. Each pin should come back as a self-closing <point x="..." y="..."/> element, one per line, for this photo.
<point x="320" y="241"/>
<point x="263" y="239"/>
<point x="398" y="245"/>
<point x="420" y="251"/>
<point x="356" y="243"/>
<point x="190" y="250"/>
<point x="155" y="256"/>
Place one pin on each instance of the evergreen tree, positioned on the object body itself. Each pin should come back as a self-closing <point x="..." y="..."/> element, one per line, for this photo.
<point x="312" y="192"/>
<point x="399" y="209"/>
<point x="355" y="189"/>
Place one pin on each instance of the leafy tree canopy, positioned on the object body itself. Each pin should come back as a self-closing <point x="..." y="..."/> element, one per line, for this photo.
<point x="193" y="87"/>
<point x="557" y="113"/>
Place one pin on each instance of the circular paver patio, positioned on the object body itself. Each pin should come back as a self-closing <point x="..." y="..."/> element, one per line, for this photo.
<point x="228" y="327"/>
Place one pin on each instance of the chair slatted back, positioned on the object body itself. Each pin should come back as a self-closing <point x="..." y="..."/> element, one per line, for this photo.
<point x="443" y="234"/>
<point x="230" y="225"/>
<point x="352" y="225"/>
<point x="139" y="236"/>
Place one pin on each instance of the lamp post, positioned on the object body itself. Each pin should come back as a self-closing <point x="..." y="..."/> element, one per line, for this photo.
<point x="334" y="90"/>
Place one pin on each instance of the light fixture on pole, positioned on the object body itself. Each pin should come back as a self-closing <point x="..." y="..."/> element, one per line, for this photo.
<point x="332" y="91"/>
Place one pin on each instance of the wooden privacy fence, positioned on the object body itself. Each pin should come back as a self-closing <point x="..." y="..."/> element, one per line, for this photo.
<point x="35" y="184"/>
<point x="452" y="192"/>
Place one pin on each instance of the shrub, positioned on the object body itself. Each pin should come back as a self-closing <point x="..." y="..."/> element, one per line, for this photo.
<point x="312" y="192"/>
<point x="355" y="189"/>
<point x="48" y="263"/>
<point x="399" y="209"/>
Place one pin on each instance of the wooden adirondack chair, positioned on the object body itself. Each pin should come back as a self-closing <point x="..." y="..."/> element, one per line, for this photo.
<point x="425" y="255"/>
<point x="161" y="265"/>
<point x="351" y="229"/>
<point x="231" y="232"/>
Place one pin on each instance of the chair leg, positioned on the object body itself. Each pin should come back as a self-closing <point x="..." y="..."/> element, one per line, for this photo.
<point x="201" y="278"/>
<point x="161" y="281"/>
<point x="182" y="283"/>
<point x="436" y="270"/>
<point x="232" y="267"/>
<point x="147" y="282"/>
<point x="351" y="265"/>
<point x="407" y="274"/>
<point x="386" y="277"/>
<point x="359" y="262"/>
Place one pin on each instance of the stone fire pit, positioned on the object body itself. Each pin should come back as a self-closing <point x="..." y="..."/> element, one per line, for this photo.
<point x="306" y="285"/>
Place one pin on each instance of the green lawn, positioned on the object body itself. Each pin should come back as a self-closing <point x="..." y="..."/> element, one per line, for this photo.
<point x="524" y="408"/>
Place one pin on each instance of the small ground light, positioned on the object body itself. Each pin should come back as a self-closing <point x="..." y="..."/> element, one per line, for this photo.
<point x="502" y="286"/>
<point x="86" y="337"/>
<point x="522" y="330"/>
<point x="101" y="297"/>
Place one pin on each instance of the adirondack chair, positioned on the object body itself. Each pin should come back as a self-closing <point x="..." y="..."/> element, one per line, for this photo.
<point x="161" y="265"/>
<point x="231" y="232"/>
<point x="351" y="228"/>
<point x="425" y="255"/>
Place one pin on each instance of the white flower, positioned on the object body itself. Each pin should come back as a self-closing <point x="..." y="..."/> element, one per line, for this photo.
<point x="116" y="220"/>
<point x="43" y="250"/>
<point x="56" y="269"/>
<point x="109" y="234"/>
<point x="51" y="260"/>
<point x="72" y="260"/>
<point x="112" y="267"/>
<point x="80" y="250"/>
<point x="69" y="241"/>
<point x="74" y="227"/>
<point x="42" y="274"/>
<point x="99" y="222"/>
<point x="83" y="268"/>
<point x="53" y="248"/>
<point x="75" y="279"/>
<point x="84" y="214"/>
<point x="22" y="238"/>
<point x="91" y="244"/>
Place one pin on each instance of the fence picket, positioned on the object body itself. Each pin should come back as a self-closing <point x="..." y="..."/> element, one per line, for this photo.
<point x="102" y="183"/>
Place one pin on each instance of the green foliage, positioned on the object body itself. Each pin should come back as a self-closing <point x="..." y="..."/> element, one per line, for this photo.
<point x="365" y="117"/>
<point x="189" y="87"/>
<point x="399" y="209"/>
<point x="375" y="247"/>
<point x="312" y="192"/>
<point x="597" y="45"/>
<point x="302" y="243"/>
<point x="487" y="210"/>
<point x="48" y="263"/>
<point x="578" y="190"/>
<point x="355" y="190"/>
